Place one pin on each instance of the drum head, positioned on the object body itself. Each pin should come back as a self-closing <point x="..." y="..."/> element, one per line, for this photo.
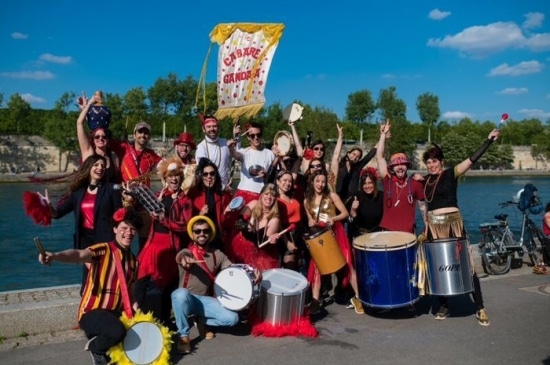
<point x="236" y="203"/>
<point x="384" y="241"/>
<point x="284" y="142"/>
<point x="283" y="281"/>
<point x="143" y="343"/>
<point x="234" y="288"/>
<point x="293" y="112"/>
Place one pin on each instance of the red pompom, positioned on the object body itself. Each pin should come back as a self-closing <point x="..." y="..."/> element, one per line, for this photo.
<point x="308" y="154"/>
<point x="37" y="208"/>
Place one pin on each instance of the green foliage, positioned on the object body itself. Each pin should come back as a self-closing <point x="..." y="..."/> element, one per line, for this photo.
<point x="169" y="104"/>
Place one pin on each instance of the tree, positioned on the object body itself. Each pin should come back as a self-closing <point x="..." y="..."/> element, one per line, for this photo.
<point x="135" y="104"/>
<point x="427" y="106"/>
<point x="18" y="113"/>
<point x="360" y="107"/>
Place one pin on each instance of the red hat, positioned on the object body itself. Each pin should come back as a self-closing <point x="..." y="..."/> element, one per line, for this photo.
<point x="185" y="137"/>
<point x="205" y="119"/>
<point x="398" y="159"/>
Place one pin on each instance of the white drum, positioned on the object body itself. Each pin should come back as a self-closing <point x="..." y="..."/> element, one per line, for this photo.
<point x="282" y="296"/>
<point x="144" y="343"/>
<point x="234" y="287"/>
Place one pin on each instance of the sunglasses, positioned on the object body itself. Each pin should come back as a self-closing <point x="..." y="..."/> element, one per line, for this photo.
<point x="204" y="231"/>
<point x="209" y="173"/>
<point x="103" y="137"/>
<point x="252" y="136"/>
<point x="316" y="166"/>
<point x="318" y="148"/>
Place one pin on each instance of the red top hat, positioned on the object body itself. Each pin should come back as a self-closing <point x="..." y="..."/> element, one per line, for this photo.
<point x="185" y="137"/>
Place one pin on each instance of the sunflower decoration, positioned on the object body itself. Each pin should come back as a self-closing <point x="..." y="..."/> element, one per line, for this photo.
<point x="135" y="349"/>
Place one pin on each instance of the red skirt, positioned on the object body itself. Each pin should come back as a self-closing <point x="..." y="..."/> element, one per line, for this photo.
<point x="342" y="239"/>
<point x="242" y="251"/>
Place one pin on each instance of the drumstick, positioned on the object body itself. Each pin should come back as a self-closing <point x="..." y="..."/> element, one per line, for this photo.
<point x="289" y="228"/>
<point x="40" y="247"/>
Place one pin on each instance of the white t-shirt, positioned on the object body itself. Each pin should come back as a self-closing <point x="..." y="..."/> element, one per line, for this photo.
<point x="219" y="154"/>
<point x="253" y="157"/>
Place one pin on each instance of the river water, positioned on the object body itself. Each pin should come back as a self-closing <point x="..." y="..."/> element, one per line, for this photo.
<point x="478" y="199"/>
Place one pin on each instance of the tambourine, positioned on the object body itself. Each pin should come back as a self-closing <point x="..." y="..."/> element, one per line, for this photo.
<point x="293" y="113"/>
<point x="236" y="203"/>
<point x="284" y="142"/>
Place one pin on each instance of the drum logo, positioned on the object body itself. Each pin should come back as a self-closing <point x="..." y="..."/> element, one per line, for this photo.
<point x="449" y="268"/>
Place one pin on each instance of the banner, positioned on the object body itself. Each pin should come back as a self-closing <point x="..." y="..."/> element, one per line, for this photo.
<point x="245" y="54"/>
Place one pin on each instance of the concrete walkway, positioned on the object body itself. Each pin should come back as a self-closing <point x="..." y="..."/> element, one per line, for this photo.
<point x="518" y="304"/>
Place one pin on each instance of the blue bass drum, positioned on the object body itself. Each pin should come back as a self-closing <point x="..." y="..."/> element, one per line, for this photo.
<point x="385" y="265"/>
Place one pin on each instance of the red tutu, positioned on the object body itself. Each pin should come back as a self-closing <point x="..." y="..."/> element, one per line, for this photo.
<point x="158" y="260"/>
<point x="242" y="251"/>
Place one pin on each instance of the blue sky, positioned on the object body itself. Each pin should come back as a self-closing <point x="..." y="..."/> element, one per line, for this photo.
<point x="482" y="58"/>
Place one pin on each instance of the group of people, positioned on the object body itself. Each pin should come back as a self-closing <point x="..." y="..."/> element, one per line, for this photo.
<point x="204" y="225"/>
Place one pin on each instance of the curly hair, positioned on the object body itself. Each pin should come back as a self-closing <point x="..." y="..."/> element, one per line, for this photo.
<point x="203" y="163"/>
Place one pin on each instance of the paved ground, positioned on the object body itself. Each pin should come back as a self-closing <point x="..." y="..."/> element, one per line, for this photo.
<point x="518" y="304"/>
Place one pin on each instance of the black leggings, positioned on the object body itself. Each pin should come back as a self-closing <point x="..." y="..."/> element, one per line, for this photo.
<point x="104" y="324"/>
<point x="476" y="294"/>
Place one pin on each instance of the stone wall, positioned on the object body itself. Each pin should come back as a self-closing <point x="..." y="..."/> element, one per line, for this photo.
<point x="27" y="153"/>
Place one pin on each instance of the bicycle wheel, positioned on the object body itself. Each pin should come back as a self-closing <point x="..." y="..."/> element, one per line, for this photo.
<point x="534" y="250"/>
<point x="496" y="258"/>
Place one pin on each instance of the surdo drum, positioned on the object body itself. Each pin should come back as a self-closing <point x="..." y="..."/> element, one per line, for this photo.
<point x="449" y="270"/>
<point x="385" y="265"/>
<point x="234" y="287"/>
<point x="282" y="296"/>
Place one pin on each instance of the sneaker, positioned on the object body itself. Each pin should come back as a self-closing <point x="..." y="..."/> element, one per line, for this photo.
<point x="357" y="305"/>
<point x="442" y="313"/>
<point x="99" y="359"/>
<point x="87" y="345"/>
<point x="314" y="306"/>
<point x="184" y="345"/>
<point x="482" y="317"/>
<point x="203" y="330"/>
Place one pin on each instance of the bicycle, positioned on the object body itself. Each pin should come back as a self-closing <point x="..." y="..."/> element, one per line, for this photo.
<point x="498" y="245"/>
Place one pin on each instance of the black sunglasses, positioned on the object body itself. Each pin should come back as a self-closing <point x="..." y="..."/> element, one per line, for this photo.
<point x="103" y="137"/>
<point x="209" y="173"/>
<point x="318" y="148"/>
<point x="252" y="136"/>
<point x="316" y="166"/>
<point x="199" y="231"/>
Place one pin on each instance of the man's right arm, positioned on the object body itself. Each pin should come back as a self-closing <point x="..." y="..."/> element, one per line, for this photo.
<point x="380" y="160"/>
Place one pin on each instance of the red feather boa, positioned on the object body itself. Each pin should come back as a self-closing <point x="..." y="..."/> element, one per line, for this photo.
<point x="301" y="327"/>
<point x="37" y="208"/>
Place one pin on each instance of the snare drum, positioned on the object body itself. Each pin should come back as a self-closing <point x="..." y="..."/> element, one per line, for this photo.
<point x="284" y="142"/>
<point x="385" y="265"/>
<point x="282" y="296"/>
<point x="234" y="287"/>
<point x="448" y="266"/>
<point x="325" y="251"/>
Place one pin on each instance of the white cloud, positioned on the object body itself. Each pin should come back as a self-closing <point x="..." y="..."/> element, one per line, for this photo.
<point x="535" y="113"/>
<point x="437" y="14"/>
<point x="388" y="76"/>
<point x="513" y="91"/>
<point x="48" y="57"/>
<point x="482" y="40"/>
<point x="35" y="75"/>
<point x="533" y="20"/>
<point x="29" y="98"/>
<point x="17" y="35"/>
<point x="522" y="68"/>
<point x="455" y="115"/>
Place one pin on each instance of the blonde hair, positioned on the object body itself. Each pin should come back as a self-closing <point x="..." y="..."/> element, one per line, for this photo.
<point x="257" y="211"/>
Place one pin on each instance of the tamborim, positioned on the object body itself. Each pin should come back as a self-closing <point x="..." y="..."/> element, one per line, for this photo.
<point x="236" y="203"/>
<point x="284" y="142"/>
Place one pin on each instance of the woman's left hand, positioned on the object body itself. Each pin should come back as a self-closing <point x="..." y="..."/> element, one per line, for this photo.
<point x="494" y="134"/>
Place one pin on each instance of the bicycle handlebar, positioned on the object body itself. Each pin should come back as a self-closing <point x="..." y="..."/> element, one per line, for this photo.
<point x="507" y="203"/>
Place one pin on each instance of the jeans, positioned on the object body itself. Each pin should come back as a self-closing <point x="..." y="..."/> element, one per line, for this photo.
<point x="186" y="304"/>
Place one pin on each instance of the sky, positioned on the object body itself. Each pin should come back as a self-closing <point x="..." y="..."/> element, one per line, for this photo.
<point x="481" y="58"/>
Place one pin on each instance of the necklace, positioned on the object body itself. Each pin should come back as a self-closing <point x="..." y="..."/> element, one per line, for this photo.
<point x="217" y="152"/>
<point x="432" y="184"/>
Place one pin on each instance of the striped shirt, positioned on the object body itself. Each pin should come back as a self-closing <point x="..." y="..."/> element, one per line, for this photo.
<point x="102" y="290"/>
